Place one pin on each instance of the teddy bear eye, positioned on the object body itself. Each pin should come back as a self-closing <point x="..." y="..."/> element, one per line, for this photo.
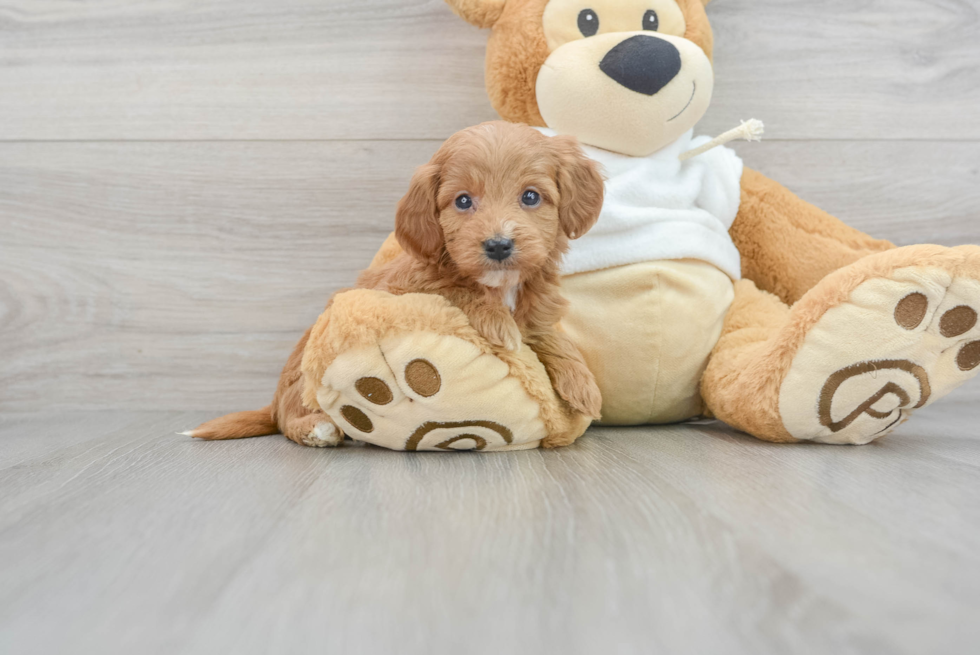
<point x="651" y="21"/>
<point x="464" y="202"/>
<point x="588" y="22"/>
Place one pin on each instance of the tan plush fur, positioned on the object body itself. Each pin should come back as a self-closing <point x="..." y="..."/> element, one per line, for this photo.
<point x="788" y="245"/>
<point x="482" y="13"/>
<point x="762" y="335"/>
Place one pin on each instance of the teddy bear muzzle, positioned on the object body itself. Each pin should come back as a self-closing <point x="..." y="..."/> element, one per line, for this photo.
<point x="629" y="92"/>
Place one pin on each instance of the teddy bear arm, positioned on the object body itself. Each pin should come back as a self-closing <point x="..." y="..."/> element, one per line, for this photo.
<point x="788" y="245"/>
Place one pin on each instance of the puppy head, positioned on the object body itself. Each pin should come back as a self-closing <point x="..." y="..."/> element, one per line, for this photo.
<point x="499" y="201"/>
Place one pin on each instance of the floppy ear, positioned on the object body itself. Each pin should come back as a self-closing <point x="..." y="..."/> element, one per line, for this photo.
<point x="580" y="187"/>
<point x="482" y="13"/>
<point x="417" y="218"/>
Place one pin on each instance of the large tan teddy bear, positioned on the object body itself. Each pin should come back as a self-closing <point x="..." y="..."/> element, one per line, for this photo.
<point x="705" y="288"/>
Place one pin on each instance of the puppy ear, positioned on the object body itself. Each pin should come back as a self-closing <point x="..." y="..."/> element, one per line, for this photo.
<point x="482" y="13"/>
<point x="417" y="226"/>
<point x="580" y="187"/>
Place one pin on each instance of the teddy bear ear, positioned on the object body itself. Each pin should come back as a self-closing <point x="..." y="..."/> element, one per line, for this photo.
<point x="482" y="13"/>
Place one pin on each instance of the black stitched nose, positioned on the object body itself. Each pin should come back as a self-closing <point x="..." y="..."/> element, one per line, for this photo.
<point x="641" y="63"/>
<point x="498" y="248"/>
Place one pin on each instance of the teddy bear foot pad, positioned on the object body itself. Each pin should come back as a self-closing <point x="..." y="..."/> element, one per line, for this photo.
<point x="425" y="391"/>
<point x="898" y="343"/>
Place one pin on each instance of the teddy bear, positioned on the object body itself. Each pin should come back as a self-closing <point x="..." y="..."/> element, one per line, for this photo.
<point x="704" y="290"/>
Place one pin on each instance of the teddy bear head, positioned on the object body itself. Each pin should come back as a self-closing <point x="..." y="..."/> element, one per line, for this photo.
<point x="630" y="76"/>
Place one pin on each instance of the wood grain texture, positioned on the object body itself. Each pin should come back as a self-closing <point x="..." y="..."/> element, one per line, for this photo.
<point x="409" y="69"/>
<point x="180" y="275"/>
<point x="126" y="538"/>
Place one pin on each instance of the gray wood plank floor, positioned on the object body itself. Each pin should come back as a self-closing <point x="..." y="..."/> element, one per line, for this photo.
<point x="182" y="186"/>
<point x="118" y="536"/>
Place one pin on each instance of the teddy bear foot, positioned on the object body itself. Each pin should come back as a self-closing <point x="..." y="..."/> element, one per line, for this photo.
<point x="425" y="391"/>
<point x="409" y="373"/>
<point x="899" y="342"/>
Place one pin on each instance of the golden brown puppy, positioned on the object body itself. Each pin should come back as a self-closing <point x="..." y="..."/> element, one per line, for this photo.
<point x="484" y="224"/>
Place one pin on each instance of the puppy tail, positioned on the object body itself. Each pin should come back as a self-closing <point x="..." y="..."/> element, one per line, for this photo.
<point x="253" y="423"/>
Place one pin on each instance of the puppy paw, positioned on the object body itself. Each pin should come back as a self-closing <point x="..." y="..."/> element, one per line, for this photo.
<point x="505" y="335"/>
<point x="577" y="386"/>
<point x="323" y="435"/>
<point x="314" y="430"/>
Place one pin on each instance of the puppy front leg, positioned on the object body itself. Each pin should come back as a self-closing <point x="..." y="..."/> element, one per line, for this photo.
<point x="495" y="324"/>
<point x="571" y="378"/>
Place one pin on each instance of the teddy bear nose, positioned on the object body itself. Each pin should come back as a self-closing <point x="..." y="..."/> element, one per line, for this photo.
<point x="498" y="248"/>
<point x="642" y="63"/>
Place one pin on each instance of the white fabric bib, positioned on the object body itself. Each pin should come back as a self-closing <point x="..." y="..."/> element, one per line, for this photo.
<point x="658" y="207"/>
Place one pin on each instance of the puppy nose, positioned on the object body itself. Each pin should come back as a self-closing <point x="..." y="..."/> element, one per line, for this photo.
<point x="642" y="63"/>
<point x="498" y="248"/>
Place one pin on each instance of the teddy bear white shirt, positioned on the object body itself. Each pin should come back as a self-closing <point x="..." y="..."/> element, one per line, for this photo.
<point x="658" y="207"/>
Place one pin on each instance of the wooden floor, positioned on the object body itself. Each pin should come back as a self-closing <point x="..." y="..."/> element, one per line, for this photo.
<point x="116" y="535"/>
<point x="184" y="184"/>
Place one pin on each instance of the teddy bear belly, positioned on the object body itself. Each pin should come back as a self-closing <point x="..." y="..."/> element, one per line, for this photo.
<point x="646" y="331"/>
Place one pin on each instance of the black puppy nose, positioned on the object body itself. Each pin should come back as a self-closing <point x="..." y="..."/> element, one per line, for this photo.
<point x="498" y="248"/>
<point x="641" y="63"/>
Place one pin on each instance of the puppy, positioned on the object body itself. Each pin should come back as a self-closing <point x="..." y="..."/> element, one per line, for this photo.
<point x="484" y="224"/>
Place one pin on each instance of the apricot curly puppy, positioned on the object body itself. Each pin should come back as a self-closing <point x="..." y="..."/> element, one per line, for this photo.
<point x="484" y="224"/>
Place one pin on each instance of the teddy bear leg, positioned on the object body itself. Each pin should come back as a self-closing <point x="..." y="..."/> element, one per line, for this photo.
<point x="742" y="355"/>
<point x="788" y="245"/>
<point x="410" y="373"/>
<point x="856" y="355"/>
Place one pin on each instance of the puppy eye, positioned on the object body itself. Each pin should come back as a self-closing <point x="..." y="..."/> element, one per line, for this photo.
<point x="464" y="202"/>
<point x="651" y="21"/>
<point x="531" y="198"/>
<point x="588" y="22"/>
